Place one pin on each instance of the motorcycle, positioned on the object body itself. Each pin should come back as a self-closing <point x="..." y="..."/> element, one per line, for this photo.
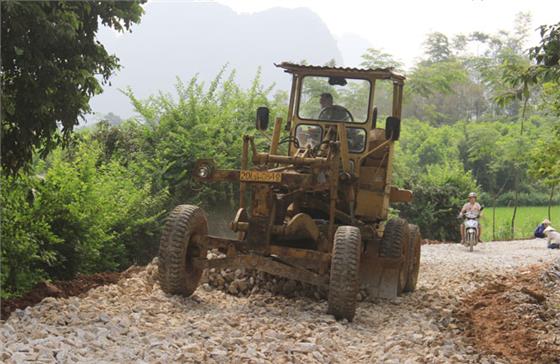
<point x="471" y="229"/>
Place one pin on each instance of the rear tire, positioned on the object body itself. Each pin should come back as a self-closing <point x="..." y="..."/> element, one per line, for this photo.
<point x="344" y="278"/>
<point x="177" y="248"/>
<point x="413" y="264"/>
<point x="395" y="245"/>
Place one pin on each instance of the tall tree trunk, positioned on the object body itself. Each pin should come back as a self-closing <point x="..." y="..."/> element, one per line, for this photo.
<point x="516" y="183"/>
<point x="514" y="210"/>
<point x="550" y="200"/>
<point x="494" y="219"/>
<point x="495" y="198"/>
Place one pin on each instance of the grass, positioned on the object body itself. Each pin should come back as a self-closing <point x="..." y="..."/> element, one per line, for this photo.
<point x="527" y="219"/>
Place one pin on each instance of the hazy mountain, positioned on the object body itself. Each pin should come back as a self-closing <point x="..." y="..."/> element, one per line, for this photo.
<point x="353" y="47"/>
<point x="188" y="38"/>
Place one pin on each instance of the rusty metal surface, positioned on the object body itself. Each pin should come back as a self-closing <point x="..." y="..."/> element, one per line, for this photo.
<point x="381" y="73"/>
<point x="260" y="176"/>
<point x="266" y="158"/>
<point x="299" y="253"/>
<point x="244" y="166"/>
<point x="276" y="136"/>
<point x="300" y="225"/>
<point x="225" y="244"/>
<point x="231" y="175"/>
<point x="400" y="195"/>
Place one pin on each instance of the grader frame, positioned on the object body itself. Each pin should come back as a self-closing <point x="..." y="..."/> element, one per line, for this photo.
<point x="316" y="215"/>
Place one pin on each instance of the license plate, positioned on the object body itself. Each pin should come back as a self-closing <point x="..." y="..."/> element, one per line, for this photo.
<point x="260" y="176"/>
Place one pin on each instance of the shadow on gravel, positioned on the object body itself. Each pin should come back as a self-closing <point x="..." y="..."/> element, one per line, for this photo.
<point x="517" y="317"/>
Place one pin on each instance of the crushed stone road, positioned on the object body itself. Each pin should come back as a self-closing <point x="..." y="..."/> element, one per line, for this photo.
<point x="134" y="321"/>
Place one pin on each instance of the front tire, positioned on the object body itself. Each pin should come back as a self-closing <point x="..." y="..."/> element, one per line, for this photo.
<point x="471" y="236"/>
<point x="178" y="247"/>
<point x="344" y="278"/>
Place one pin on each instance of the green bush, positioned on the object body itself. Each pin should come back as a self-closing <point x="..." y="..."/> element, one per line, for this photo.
<point x="103" y="213"/>
<point x="439" y="195"/>
<point x="101" y="202"/>
<point x="86" y="216"/>
<point x="200" y="122"/>
<point x="27" y="240"/>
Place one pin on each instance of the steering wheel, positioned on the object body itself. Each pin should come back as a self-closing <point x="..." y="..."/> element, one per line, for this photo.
<point x="336" y="113"/>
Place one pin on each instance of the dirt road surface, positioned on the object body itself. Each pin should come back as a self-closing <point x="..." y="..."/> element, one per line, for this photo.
<point x="134" y="321"/>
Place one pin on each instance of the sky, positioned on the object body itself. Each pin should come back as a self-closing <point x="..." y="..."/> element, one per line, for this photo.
<point x="399" y="27"/>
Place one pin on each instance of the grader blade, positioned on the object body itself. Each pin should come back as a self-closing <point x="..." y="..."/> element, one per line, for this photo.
<point x="379" y="277"/>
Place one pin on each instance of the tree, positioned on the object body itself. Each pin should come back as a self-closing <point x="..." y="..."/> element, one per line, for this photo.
<point x="545" y="164"/>
<point x="50" y="60"/>
<point x="376" y="58"/>
<point x="520" y="78"/>
<point x="440" y="92"/>
<point x="437" y="47"/>
<point x="547" y="53"/>
<point x="547" y="69"/>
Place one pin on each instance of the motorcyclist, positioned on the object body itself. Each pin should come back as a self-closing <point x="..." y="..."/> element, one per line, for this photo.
<point x="471" y="206"/>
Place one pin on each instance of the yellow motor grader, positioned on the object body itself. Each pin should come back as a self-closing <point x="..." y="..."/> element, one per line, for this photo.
<point x="317" y="212"/>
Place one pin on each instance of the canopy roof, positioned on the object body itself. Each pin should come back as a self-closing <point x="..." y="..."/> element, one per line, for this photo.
<point x="381" y="73"/>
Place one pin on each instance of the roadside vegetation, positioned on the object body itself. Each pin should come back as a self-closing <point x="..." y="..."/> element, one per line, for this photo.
<point x="485" y="122"/>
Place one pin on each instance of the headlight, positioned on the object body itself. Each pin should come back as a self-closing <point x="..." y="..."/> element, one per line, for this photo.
<point x="204" y="171"/>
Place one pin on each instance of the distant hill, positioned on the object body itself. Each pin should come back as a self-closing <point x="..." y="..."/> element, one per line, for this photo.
<point x="187" y="38"/>
<point x="352" y="46"/>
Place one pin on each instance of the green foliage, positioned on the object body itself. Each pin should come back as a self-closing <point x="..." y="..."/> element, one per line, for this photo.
<point x="547" y="52"/>
<point x="453" y="84"/>
<point x="98" y="211"/>
<point x="86" y="216"/>
<point x="422" y="146"/>
<point x="376" y="58"/>
<point x="202" y="122"/>
<point x="438" y="197"/>
<point x="490" y="151"/>
<point x="523" y="79"/>
<point x="437" y="47"/>
<point x="545" y="156"/>
<point x="27" y="240"/>
<point x="50" y="64"/>
<point x="100" y="203"/>
<point x="437" y="92"/>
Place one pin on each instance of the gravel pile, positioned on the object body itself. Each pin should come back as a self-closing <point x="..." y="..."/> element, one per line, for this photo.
<point x="243" y="283"/>
<point x="134" y="321"/>
<point x="246" y="282"/>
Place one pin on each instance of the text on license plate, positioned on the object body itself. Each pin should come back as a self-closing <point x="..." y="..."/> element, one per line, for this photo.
<point x="260" y="176"/>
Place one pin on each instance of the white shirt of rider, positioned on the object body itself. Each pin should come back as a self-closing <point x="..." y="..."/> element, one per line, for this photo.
<point x="471" y="207"/>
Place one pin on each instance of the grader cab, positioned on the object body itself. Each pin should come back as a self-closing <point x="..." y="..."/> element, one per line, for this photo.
<point x="317" y="212"/>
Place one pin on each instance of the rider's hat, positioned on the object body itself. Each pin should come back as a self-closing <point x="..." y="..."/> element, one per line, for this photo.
<point x="472" y="194"/>
<point x="546" y="222"/>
